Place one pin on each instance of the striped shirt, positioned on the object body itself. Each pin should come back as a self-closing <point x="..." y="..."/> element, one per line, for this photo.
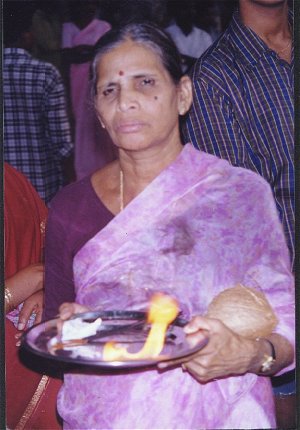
<point x="37" y="133"/>
<point x="243" y="111"/>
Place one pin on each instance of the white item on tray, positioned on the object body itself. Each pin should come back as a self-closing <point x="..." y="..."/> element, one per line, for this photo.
<point x="78" y="329"/>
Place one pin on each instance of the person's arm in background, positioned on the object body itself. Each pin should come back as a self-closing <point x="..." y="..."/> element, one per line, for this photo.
<point x="23" y="284"/>
<point x="24" y="222"/>
<point x="26" y="287"/>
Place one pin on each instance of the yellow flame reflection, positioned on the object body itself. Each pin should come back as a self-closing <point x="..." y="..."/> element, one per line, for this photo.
<point x="163" y="310"/>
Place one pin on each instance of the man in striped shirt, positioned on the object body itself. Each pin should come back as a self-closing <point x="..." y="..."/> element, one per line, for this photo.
<point x="243" y="108"/>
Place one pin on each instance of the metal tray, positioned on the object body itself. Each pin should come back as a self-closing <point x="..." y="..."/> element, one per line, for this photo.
<point x="127" y="328"/>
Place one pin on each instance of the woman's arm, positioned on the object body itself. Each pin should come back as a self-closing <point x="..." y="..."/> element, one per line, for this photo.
<point x="59" y="284"/>
<point x="228" y="353"/>
<point x="22" y="285"/>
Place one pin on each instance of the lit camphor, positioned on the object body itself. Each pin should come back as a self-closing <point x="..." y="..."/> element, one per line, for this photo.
<point x="163" y="310"/>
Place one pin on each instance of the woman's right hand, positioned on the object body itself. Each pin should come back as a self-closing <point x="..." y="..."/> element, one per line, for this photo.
<point x="66" y="310"/>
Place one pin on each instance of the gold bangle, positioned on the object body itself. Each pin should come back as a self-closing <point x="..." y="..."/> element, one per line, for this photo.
<point x="8" y="299"/>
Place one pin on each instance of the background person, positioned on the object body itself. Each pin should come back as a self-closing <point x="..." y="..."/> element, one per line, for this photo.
<point x="37" y="135"/>
<point x="79" y="35"/>
<point x="47" y="27"/>
<point x="250" y="121"/>
<point x="243" y="111"/>
<point x="191" y="41"/>
<point x="30" y="395"/>
<point x="139" y="226"/>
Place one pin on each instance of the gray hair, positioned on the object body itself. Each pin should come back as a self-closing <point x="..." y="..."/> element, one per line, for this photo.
<point x="148" y="35"/>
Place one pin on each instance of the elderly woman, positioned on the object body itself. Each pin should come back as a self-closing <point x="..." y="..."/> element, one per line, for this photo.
<point x="165" y="217"/>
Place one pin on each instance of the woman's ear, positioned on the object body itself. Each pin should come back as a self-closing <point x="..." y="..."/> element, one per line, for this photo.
<point x="99" y="118"/>
<point x="185" y="95"/>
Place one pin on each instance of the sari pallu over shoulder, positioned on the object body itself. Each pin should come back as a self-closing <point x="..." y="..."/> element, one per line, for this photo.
<point x="195" y="230"/>
<point x="138" y="241"/>
<point x="190" y="235"/>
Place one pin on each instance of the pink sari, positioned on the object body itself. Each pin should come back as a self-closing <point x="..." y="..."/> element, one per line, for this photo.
<point x="194" y="231"/>
<point x="93" y="147"/>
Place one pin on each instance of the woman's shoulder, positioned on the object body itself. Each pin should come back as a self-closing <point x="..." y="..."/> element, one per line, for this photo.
<point x="76" y="214"/>
<point x="80" y="199"/>
<point x="77" y="199"/>
<point x="210" y="164"/>
<point x="72" y="193"/>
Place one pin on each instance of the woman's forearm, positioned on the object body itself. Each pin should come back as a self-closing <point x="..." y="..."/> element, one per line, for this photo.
<point x="22" y="285"/>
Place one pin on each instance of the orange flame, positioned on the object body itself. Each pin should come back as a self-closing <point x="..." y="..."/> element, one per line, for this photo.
<point x="163" y="310"/>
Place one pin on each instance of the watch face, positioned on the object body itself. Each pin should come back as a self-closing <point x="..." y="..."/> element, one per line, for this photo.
<point x="267" y="364"/>
<point x="268" y="360"/>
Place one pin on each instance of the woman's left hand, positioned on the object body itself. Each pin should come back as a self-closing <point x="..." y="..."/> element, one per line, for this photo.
<point x="226" y="352"/>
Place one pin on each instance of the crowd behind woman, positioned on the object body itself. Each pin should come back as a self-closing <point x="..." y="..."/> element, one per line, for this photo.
<point x="66" y="32"/>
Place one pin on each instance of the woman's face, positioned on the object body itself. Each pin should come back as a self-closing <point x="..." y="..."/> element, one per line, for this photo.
<point x="137" y="101"/>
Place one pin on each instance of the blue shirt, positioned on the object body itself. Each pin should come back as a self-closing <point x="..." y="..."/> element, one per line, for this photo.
<point x="37" y="133"/>
<point x="243" y="111"/>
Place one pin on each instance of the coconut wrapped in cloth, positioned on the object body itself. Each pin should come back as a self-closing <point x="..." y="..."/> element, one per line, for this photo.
<point x="244" y="310"/>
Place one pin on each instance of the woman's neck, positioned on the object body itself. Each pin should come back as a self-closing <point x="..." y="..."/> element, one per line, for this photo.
<point x="141" y="167"/>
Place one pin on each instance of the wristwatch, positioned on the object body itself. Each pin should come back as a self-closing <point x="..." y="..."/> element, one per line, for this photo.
<point x="269" y="360"/>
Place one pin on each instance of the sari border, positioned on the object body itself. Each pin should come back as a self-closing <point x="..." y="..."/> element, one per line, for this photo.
<point x="33" y="402"/>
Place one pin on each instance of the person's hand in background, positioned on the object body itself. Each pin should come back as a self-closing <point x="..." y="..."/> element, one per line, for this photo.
<point x="33" y="306"/>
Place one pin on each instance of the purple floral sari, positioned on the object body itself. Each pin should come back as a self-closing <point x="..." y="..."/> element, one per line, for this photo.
<point x="201" y="226"/>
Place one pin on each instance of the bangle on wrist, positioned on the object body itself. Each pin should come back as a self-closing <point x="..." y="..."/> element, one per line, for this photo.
<point x="8" y="299"/>
<point x="269" y="360"/>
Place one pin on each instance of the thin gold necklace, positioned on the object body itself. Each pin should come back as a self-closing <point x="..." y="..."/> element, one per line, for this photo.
<point x="290" y="41"/>
<point x="121" y="191"/>
<point x="284" y="49"/>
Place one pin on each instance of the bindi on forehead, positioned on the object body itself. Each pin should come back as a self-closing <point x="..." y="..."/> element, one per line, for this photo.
<point x="121" y="73"/>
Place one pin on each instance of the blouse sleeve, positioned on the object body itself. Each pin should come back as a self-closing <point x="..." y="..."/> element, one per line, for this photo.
<point x="59" y="286"/>
<point x="76" y="214"/>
